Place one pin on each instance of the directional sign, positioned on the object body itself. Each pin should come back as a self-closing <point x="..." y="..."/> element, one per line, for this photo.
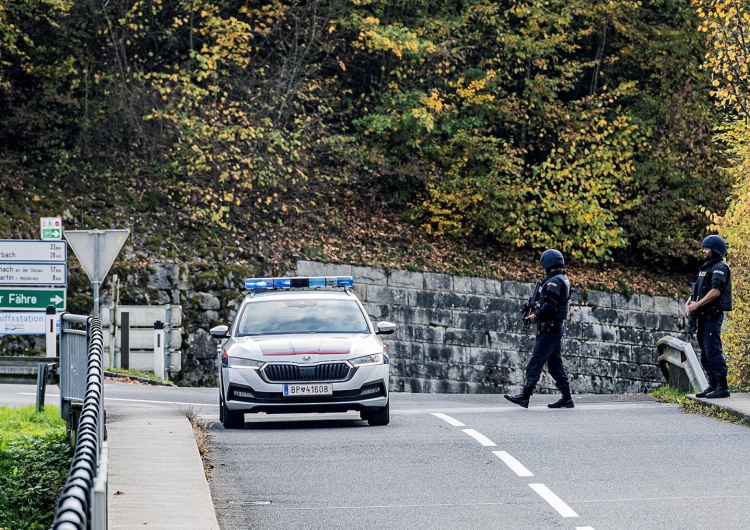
<point x="51" y="227"/>
<point x="30" y="298"/>
<point x="25" y="323"/>
<point x="33" y="274"/>
<point x="32" y="250"/>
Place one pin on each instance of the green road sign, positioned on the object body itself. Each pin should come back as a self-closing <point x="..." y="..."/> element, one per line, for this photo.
<point x="51" y="233"/>
<point x="31" y="298"/>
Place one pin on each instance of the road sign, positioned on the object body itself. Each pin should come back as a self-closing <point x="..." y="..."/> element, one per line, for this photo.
<point x="96" y="249"/>
<point x="51" y="228"/>
<point x="32" y="250"/>
<point x="29" y="298"/>
<point x="25" y="323"/>
<point x="33" y="274"/>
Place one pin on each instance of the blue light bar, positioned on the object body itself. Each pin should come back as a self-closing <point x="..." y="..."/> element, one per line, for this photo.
<point x="297" y="282"/>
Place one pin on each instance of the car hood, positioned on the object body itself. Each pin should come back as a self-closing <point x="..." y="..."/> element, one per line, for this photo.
<point x="317" y="347"/>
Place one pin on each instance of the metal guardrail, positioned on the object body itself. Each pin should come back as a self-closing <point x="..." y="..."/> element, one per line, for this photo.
<point x="680" y="354"/>
<point x="83" y="502"/>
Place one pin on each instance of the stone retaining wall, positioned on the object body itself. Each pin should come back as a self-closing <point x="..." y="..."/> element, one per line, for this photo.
<point x="464" y="335"/>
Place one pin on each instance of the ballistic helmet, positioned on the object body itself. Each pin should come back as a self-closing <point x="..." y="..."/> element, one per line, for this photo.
<point x="551" y="258"/>
<point x="715" y="243"/>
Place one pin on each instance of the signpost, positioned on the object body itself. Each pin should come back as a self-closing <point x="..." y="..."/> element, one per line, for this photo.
<point x="31" y="298"/>
<point x="51" y="228"/>
<point x="33" y="251"/>
<point x="34" y="310"/>
<point x="33" y="274"/>
<point x="27" y="323"/>
<point x="96" y="250"/>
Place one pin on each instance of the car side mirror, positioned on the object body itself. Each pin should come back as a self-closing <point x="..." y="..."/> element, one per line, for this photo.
<point x="220" y="332"/>
<point x="386" y="328"/>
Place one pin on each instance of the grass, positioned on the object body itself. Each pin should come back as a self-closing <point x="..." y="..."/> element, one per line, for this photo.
<point x="668" y="394"/>
<point x="201" y="438"/>
<point x="135" y="374"/>
<point x="35" y="456"/>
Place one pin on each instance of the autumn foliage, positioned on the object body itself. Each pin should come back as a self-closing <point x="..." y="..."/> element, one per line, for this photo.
<point x="726" y="25"/>
<point x="584" y="126"/>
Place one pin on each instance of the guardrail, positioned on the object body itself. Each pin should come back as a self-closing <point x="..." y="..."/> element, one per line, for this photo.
<point x="678" y="353"/>
<point x="83" y="502"/>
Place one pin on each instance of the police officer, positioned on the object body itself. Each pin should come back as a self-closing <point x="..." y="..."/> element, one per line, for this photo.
<point x="714" y="297"/>
<point x="549" y="318"/>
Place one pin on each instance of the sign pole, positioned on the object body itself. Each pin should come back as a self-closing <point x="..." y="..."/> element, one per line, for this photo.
<point x="97" y="281"/>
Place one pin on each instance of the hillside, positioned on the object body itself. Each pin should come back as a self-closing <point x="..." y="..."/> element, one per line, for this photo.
<point x="346" y="225"/>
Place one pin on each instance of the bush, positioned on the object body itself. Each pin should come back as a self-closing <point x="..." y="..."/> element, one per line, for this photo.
<point x="34" y="460"/>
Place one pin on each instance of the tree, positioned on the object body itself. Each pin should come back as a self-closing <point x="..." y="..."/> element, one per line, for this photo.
<point x="726" y="24"/>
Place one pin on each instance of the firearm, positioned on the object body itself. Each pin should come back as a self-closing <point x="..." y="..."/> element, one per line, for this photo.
<point x="692" y="317"/>
<point x="531" y="306"/>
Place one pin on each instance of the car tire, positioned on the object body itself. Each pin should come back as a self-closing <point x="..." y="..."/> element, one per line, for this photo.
<point x="380" y="416"/>
<point x="229" y="418"/>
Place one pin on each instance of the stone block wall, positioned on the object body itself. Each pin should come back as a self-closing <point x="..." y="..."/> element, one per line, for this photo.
<point x="465" y="335"/>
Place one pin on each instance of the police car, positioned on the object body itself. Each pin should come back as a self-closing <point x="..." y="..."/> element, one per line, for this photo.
<point x="302" y="344"/>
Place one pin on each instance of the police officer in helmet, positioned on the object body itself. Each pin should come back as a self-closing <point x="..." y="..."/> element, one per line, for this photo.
<point x="714" y="296"/>
<point x="549" y="317"/>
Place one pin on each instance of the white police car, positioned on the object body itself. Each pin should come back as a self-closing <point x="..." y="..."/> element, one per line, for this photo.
<point x="302" y="344"/>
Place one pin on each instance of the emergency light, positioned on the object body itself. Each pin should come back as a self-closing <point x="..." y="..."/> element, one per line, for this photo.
<point x="297" y="282"/>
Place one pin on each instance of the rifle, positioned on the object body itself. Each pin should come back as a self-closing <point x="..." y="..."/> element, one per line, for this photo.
<point x="532" y="305"/>
<point x="692" y="317"/>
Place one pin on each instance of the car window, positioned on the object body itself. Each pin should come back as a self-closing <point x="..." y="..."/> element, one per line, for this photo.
<point x="302" y="315"/>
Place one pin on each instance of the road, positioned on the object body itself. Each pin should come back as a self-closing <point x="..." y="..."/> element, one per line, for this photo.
<point x="468" y="462"/>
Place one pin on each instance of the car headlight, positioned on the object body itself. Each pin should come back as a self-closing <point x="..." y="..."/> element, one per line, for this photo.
<point x="241" y="362"/>
<point x="375" y="358"/>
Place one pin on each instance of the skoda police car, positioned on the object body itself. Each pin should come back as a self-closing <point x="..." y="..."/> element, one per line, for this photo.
<point x="302" y="344"/>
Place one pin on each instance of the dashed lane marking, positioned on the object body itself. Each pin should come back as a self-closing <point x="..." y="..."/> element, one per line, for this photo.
<point x="553" y="500"/>
<point x="517" y="467"/>
<point x="481" y="438"/>
<point x="445" y="417"/>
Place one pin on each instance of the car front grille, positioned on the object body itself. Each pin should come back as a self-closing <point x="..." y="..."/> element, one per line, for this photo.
<point x="320" y="373"/>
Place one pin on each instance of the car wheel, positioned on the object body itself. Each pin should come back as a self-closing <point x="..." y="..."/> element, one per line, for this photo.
<point x="380" y="416"/>
<point x="229" y="418"/>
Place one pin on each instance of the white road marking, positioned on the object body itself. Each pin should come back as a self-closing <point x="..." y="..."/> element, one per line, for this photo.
<point x="553" y="500"/>
<point x="584" y="528"/>
<point x="481" y="438"/>
<point x="190" y="403"/>
<point x="447" y="418"/>
<point x="517" y="467"/>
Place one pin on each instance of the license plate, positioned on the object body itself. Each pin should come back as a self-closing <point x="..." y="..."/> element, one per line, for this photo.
<point x="315" y="389"/>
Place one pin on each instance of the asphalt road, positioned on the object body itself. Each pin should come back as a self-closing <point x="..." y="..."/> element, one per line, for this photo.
<point x="468" y="462"/>
<point x="471" y="462"/>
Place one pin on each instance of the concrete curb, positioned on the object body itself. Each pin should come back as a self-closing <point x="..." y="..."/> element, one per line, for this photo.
<point x="737" y="405"/>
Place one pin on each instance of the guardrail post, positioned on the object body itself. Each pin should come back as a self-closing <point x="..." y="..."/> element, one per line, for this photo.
<point x="41" y="385"/>
<point x="50" y="331"/>
<point x="159" y="362"/>
<point x="124" y="340"/>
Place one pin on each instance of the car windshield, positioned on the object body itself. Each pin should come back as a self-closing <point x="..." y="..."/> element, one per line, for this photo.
<point x="304" y="315"/>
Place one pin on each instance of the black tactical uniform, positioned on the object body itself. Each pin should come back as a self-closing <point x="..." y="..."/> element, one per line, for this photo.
<point x="714" y="273"/>
<point x="550" y="317"/>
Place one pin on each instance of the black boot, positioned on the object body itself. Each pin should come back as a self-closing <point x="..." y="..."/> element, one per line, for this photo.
<point x="521" y="399"/>
<point x="565" y="402"/>
<point x="706" y="392"/>
<point x="721" y="391"/>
